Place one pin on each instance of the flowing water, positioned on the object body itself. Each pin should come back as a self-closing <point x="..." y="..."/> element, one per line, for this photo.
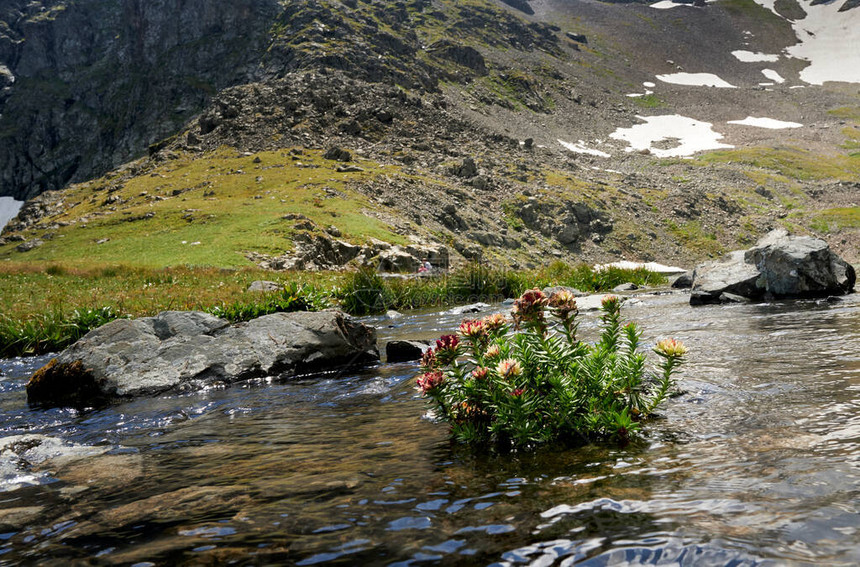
<point x="757" y="464"/>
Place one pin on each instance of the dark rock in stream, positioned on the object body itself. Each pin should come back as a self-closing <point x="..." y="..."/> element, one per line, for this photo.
<point x="405" y="351"/>
<point x="179" y="350"/>
<point x="778" y="266"/>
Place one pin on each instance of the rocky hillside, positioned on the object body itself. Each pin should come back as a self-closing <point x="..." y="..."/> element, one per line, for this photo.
<point x="502" y="130"/>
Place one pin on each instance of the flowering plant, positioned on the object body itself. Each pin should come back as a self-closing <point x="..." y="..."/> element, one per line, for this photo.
<point x="530" y="380"/>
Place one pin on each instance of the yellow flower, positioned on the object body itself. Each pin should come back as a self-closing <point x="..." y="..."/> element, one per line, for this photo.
<point x="670" y="348"/>
<point x="508" y="368"/>
<point x="494" y="351"/>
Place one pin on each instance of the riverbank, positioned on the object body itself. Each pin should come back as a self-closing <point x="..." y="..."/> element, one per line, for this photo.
<point x="47" y="307"/>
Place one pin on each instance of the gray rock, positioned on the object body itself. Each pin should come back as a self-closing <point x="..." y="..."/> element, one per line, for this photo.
<point x="730" y="274"/>
<point x="799" y="266"/>
<point x="177" y="351"/>
<point x="778" y="266"/>
<point x="29" y="245"/>
<point x="593" y="302"/>
<point x="549" y="291"/>
<point x="405" y="350"/>
<point x="684" y="281"/>
<point x="629" y="286"/>
<point x="337" y="154"/>
<point x="264" y="286"/>
<point x="397" y="259"/>
<point x="467" y="169"/>
<point x="464" y="309"/>
<point x="727" y="297"/>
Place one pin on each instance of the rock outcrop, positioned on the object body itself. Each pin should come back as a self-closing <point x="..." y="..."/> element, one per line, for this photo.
<point x="314" y="252"/>
<point x="178" y="350"/>
<point x="778" y="266"/>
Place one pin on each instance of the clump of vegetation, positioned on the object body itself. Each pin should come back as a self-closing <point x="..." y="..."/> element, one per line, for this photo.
<point x="294" y="297"/>
<point x="366" y="292"/>
<point x="541" y="384"/>
<point x="49" y="332"/>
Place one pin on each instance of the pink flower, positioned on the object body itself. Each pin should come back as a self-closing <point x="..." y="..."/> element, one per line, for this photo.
<point x="472" y="330"/>
<point x="495" y="322"/>
<point x="430" y="380"/>
<point x="610" y="303"/>
<point x="563" y="303"/>
<point x="508" y="368"/>
<point x="517" y="393"/>
<point x="480" y="373"/>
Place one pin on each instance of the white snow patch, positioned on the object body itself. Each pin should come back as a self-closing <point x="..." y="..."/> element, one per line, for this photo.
<point x="750" y="57"/>
<point x="652" y="266"/>
<point x="828" y="39"/>
<point x="691" y="135"/>
<point x="636" y="95"/>
<point x="769" y="123"/>
<point x="649" y="85"/>
<point x="765" y="85"/>
<point x="773" y="75"/>
<point x="665" y="5"/>
<point x="696" y="80"/>
<point x="9" y="207"/>
<point x="581" y="148"/>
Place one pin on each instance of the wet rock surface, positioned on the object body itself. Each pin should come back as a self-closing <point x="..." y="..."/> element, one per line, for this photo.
<point x="178" y="350"/>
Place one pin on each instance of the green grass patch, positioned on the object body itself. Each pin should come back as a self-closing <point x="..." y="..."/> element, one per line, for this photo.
<point x="649" y="101"/>
<point x="846" y="112"/>
<point x="209" y="211"/>
<point x="834" y="220"/>
<point x="792" y="163"/>
<point x="694" y="237"/>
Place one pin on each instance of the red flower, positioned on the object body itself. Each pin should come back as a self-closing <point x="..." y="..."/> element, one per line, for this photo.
<point x="480" y="373"/>
<point x="447" y="342"/>
<point x="528" y="309"/>
<point x="517" y="393"/>
<point x="430" y="380"/>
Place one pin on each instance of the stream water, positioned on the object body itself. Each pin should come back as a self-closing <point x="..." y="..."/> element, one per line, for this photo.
<point x="757" y="464"/>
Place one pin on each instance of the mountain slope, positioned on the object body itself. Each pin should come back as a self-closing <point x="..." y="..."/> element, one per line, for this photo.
<point x="497" y="133"/>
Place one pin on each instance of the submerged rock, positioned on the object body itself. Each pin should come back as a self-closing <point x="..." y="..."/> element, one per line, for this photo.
<point x="178" y="350"/>
<point x="778" y="266"/>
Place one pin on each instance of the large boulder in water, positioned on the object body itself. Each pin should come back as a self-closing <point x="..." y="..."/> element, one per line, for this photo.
<point x="778" y="266"/>
<point x="178" y="350"/>
<point x="799" y="266"/>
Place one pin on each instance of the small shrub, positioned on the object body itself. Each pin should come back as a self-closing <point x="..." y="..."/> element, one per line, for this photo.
<point x="541" y="384"/>
<point x="363" y="292"/>
<point x="294" y="297"/>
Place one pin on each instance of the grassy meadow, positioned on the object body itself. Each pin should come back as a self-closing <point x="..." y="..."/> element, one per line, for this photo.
<point x="45" y="308"/>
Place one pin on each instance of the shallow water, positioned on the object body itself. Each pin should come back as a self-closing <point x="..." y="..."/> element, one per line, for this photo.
<point x="757" y="464"/>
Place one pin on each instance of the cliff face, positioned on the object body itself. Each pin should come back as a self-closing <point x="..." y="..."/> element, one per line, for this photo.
<point x="85" y="85"/>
